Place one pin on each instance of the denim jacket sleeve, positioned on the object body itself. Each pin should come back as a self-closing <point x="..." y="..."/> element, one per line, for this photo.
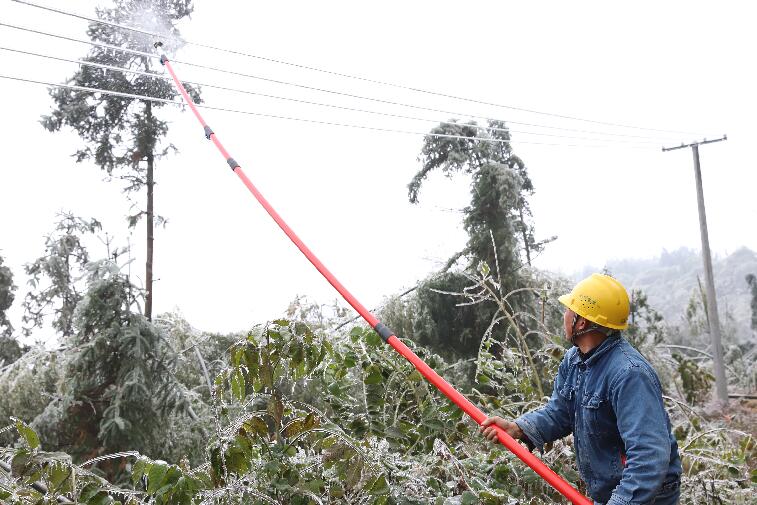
<point x="552" y="421"/>
<point x="643" y="425"/>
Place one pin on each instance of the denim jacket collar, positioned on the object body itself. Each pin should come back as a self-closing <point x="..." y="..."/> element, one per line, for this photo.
<point x="611" y="341"/>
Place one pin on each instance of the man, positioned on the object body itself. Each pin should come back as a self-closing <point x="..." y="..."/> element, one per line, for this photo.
<point x="609" y="397"/>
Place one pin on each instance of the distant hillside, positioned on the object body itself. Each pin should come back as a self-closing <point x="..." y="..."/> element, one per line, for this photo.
<point x="670" y="279"/>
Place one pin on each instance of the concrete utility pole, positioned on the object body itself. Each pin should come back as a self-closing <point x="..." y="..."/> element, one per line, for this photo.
<point x="721" y="388"/>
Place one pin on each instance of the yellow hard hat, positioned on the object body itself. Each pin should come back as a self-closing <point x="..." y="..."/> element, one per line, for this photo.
<point x="600" y="299"/>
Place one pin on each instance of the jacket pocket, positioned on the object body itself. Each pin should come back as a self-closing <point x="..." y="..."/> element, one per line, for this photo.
<point x="595" y="414"/>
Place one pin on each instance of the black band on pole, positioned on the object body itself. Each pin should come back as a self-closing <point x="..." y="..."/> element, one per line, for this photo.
<point x="208" y="132"/>
<point x="163" y="59"/>
<point x="232" y="163"/>
<point x="383" y="331"/>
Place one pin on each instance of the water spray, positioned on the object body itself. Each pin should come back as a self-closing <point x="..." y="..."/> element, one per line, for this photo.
<point x="383" y="331"/>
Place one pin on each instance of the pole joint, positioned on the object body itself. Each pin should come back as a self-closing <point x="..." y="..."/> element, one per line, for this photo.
<point x="383" y="331"/>
<point x="232" y="163"/>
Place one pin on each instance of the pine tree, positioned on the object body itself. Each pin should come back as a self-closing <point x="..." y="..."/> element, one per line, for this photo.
<point x="118" y="373"/>
<point x="120" y="381"/>
<point x="121" y="133"/>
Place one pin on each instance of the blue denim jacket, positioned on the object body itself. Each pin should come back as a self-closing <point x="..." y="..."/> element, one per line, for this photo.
<point x="612" y="403"/>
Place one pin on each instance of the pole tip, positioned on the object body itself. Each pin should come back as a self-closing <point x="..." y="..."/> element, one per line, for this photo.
<point x="157" y="44"/>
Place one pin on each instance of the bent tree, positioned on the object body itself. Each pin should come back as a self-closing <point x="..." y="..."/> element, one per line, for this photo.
<point x="499" y="227"/>
<point x="500" y="187"/>
<point x="124" y="136"/>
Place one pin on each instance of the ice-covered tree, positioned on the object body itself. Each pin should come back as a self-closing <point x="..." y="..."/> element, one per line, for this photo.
<point x="10" y="349"/>
<point x="751" y="279"/>
<point x="500" y="188"/>
<point x="499" y="227"/>
<point x="124" y="136"/>
<point x="6" y="298"/>
<point x="56" y="276"/>
<point x="120" y="384"/>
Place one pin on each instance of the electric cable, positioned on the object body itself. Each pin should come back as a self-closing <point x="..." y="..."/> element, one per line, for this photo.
<point x="289" y="118"/>
<point x="296" y="100"/>
<point x="251" y="76"/>
<point x="80" y="41"/>
<point x="650" y="139"/>
<point x="351" y="76"/>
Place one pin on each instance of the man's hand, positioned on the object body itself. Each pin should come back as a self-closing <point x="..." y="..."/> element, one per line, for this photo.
<point x="510" y="428"/>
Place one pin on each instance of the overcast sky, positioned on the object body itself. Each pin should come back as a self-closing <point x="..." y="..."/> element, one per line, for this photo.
<point x="684" y="66"/>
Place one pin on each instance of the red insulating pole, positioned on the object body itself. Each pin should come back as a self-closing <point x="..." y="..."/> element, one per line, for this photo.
<point x="450" y="392"/>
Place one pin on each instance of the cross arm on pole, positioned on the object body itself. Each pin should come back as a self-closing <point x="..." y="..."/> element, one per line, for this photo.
<point x="692" y="144"/>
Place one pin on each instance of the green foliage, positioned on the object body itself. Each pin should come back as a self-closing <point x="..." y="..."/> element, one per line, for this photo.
<point x="500" y="236"/>
<point x="499" y="190"/>
<point x="317" y="316"/>
<point x="751" y="280"/>
<point x="645" y="324"/>
<point x="299" y="418"/>
<point x="119" y="382"/>
<point x="695" y="380"/>
<point x="27" y="387"/>
<point x="718" y="465"/>
<point x="695" y="318"/>
<point x="451" y="330"/>
<point x="497" y="198"/>
<point x="56" y="276"/>
<point x="118" y="132"/>
<point x="376" y="434"/>
<point x="168" y="484"/>
<point x="6" y="298"/>
<point x="10" y="350"/>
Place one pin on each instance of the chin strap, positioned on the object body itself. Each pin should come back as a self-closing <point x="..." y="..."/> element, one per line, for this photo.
<point x="589" y="329"/>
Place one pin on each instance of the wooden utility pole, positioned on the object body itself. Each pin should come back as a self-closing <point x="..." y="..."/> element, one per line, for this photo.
<point x="721" y="388"/>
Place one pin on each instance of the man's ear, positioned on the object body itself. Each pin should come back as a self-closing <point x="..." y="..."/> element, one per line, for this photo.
<point x="581" y="323"/>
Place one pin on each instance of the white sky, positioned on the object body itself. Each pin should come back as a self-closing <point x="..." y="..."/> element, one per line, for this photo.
<point x="670" y="65"/>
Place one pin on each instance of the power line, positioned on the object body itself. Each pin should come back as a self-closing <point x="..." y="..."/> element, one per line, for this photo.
<point x="322" y="90"/>
<point x="275" y="81"/>
<point x="288" y="118"/>
<point x="385" y="114"/>
<point x="72" y="39"/>
<point x="354" y="77"/>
